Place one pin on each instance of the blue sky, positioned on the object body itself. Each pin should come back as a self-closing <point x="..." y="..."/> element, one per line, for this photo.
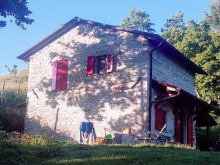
<point x="50" y="14"/>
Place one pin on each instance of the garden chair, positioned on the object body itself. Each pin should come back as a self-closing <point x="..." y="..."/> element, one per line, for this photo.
<point x="154" y="137"/>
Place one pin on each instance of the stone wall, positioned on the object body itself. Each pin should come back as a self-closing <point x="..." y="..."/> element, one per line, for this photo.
<point x="93" y="98"/>
<point x="88" y="98"/>
<point x="167" y="70"/>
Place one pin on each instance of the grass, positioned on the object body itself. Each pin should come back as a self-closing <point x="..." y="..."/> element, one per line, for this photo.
<point x="30" y="149"/>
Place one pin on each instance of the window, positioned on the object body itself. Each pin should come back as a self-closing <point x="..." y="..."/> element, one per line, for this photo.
<point x="160" y="118"/>
<point x="100" y="64"/>
<point x="59" y="76"/>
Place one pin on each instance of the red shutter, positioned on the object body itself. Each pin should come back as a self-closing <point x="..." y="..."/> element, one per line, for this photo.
<point x="62" y="73"/>
<point x="109" y="62"/>
<point x="160" y="116"/>
<point x="90" y="65"/>
<point x="54" y="76"/>
<point x="190" y="130"/>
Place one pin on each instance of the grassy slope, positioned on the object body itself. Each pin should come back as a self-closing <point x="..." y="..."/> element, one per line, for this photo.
<point x="11" y="82"/>
<point x="38" y="150"/>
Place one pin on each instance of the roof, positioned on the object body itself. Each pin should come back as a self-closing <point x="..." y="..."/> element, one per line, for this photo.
<point x="155" y="39"/>
<point x="184" y="97"/>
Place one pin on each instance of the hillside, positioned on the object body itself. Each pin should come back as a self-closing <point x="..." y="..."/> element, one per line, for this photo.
<point x="13" y="89"/>
<point x="12" y="82"/>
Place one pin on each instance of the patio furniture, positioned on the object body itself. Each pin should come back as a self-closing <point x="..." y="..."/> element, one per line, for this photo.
<point x="154" y="137"/>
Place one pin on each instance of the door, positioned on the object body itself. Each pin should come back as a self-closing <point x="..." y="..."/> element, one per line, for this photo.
<point x="179" y="127"/>
<point x="190" y="130"/>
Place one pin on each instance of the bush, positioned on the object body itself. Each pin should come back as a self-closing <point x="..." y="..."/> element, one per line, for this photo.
<point x="12" y="98"/>
<point x="214" y="135"/>
<point x="11" y="113"/>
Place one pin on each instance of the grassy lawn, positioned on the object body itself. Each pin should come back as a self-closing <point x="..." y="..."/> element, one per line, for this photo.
<point x="41" y="150"/>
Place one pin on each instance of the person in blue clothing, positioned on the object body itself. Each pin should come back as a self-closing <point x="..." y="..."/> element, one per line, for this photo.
<point x="87" y="133"/>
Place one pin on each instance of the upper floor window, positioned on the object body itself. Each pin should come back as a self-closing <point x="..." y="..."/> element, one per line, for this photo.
<point x="100" y="64"/>
<point x="60" y="74"/>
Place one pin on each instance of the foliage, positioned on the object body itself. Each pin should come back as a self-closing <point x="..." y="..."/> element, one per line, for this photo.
<point x="30" y="139"/>
<point x="214" y="135"/>
<point x="175" y="22"/>
<point x="48" y="151"/>
<point x="12" y="70"/>
<point x="138" y="20"/>
<point x="174" y="28"/>
<point x="214" y="18"/>
<point x="18" y="10"/>
<point x="11" y="98"/>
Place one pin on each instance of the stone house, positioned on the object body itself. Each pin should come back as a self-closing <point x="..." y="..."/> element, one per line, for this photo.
<point x="114" y="78"/>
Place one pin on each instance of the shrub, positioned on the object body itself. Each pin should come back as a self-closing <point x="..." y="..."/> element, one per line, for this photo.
<point x="11" y="114"/>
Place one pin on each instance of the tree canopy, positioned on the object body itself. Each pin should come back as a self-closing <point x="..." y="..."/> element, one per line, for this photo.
<point x="138" y="20"/>
<point x="15" y="10"/>
<point x="174" y="28"/>
<point x="214" y="18"/>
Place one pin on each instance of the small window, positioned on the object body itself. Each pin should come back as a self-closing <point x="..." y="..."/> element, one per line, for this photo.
<point x="160" y="118"/>
<point x="100" y="64"/>
<point x="59" y="75"/>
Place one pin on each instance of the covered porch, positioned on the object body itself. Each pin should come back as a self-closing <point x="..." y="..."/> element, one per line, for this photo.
<point x="189" y="111"/>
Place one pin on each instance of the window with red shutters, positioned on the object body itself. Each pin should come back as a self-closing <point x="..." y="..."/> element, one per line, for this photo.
<point x="60" y="74"/>
<point x="100" y="64"/>
<point x="160" y="118"/>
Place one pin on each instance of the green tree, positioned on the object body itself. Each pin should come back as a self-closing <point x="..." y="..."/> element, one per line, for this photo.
<point x="214" y="18"/>
<point x="16" y="9"/>
<point x="12" y="70"/>
<point x="138" y="20"/>
<point x="209" y="60"/>
<point x="195" y="39"/>
<point x="175" y="22"/>
<point x="174" y="28"/>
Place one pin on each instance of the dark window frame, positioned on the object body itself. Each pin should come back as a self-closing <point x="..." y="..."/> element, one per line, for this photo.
<point x="101" y="65"/>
